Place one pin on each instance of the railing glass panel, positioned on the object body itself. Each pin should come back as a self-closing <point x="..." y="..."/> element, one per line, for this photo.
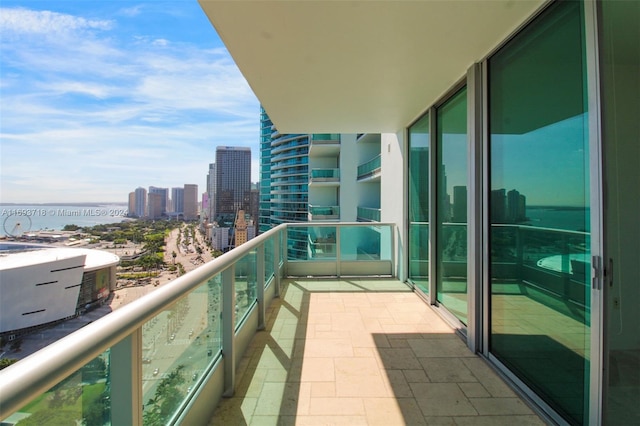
<point x="246" y="291"/>
<point x="369" y="167"/>
<point x="368" y="213"/>
<point x="365" y="243"/>
<point x="82" y="398"/>
<point x="268" y="259"/>
<point x="178" y="345"/>
<point x="326" y="137"/>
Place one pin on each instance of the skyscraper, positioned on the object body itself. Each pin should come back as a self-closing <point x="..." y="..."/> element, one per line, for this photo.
<point x="131" y="204"/>
<point x="211" y="189"/>
<point x="140" y="202"/>
<point x="190" y="201"/>
<point x="177" y="200"/>
<point x="232" y="181"/>
<point x="164" y="200"/>
<point x="154" y="209"/>
<point x="266" y="130"/>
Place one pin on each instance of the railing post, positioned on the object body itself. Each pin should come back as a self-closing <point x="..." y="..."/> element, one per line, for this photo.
<point x="125" y="373"/>
<point x="338" y="254"/>
<point x="276" y="263"/>
<point x="229" y="329"/>
<point x="260" y="272"/>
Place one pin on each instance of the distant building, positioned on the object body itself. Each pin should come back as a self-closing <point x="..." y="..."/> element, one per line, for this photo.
<point x="177" y="200"/>
<point x="240" y="231"/>
<point x="132" y="204"/>
<point x="211" y="186"/>
<point x="459" y="204"/>
<point x="220" y="238"/>
<point x="141" y="202"/>
<point x="164" y="200"/>
<point x="190" y="202"/>
<point x="154" y="208"/>
<point x="232" y="180"/>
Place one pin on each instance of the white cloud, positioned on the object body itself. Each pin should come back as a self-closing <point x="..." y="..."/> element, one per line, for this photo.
<point x="50" y="24"/>
<point x="94" y="117"/>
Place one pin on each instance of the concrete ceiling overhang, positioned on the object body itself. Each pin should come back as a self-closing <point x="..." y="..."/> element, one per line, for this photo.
<point x="358" y="66"/>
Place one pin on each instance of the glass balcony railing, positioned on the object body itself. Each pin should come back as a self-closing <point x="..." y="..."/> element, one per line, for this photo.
<point x="325" y="138"/>
<point x="368" y="214"/>
<point x="324" y="212"/>
<point x="168" y="357"/>
<point x="325" y="175"/>
<point x="370" y="168"/>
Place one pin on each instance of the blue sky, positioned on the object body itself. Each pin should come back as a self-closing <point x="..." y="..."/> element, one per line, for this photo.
<point x="100" y="97"/>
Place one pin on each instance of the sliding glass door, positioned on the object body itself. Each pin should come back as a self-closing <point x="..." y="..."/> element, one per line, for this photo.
<point x="419" y="203"/>
<point x="451" y="180"/>
<point x="539" y="208"/>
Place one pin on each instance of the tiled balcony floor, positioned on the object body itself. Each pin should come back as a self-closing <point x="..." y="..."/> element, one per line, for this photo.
<point x="363" y="352"/>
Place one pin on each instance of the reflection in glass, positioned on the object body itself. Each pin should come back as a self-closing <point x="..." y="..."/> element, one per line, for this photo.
<point x="268" y="261"/>
<point x="178" y="345"/>
<point x="419" y="203"/>
<point x="365" y="243"/>
<point x="451" y="127"/>
<point x="246" y="285"/>
<point x="81" y="398"/>
<point x="539" y="210"/>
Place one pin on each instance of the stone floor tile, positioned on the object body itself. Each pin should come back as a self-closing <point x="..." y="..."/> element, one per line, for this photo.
<point x="331" y="420"/>
<point x="441" y="399"/>
<point x="323" y="389"/>
<point x="451" y="370"/>
<point x="318" y="370"/>
<point x="474" y="390"/>
<point x="499" y="406"/>
<point x="336" y="407"/>
<point x="531" y="420"/>
<point x="383" y="412"/>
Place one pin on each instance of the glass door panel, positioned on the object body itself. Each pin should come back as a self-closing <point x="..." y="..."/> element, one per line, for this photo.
<point x="451" y="132"/>
<point x="539" y="210"/>
<point x="419" y="203"/>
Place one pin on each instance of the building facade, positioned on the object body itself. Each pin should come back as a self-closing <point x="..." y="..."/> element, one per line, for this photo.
<point x="211" y="185"/>
<point x="177" y="200"/>
<point x="140" y="202"/>
<point x="190" y="202"/>
<point x="232" y="181"/>
<point x="531" y="123"/>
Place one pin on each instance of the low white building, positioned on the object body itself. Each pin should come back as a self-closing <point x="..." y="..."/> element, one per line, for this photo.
<point x="45" y="284"/>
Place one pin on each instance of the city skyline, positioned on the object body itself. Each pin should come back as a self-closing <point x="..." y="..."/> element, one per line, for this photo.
<point x="89" y="107"/>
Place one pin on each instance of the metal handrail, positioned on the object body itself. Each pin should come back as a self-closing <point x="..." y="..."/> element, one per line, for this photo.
<point x="37" y="373"/>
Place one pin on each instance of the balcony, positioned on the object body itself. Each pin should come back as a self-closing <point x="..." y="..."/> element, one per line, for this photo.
<point x="324" y="145"/>
<point x="368" y="214"/>
<point x="241" y="340"/>
<point x="370" y="170"/>
<point x="324" y="177"/>
<point x="324" y="212"/>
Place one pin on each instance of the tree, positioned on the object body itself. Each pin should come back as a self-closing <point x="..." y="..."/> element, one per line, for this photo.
<point x="5" y="362"/>
<point x="166" y="399"/>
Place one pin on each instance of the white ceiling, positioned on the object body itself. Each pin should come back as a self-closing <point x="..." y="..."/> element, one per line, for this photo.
<point x="359" y="66"/>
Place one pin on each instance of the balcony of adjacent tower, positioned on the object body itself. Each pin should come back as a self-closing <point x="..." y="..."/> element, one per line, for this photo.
<point x="324" y="145"/>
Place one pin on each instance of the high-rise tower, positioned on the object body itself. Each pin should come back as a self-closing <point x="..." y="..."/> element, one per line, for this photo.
<point x="232" y="181"/>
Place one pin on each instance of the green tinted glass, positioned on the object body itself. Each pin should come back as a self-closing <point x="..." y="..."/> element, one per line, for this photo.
<point x="452" y="175"/>
<point x="419" y="203"/>
<point x="539" y="209"/>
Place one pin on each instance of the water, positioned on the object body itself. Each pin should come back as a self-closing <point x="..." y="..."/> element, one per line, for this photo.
<point x="569" y="218"/>
<point x="18" y="219"/>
